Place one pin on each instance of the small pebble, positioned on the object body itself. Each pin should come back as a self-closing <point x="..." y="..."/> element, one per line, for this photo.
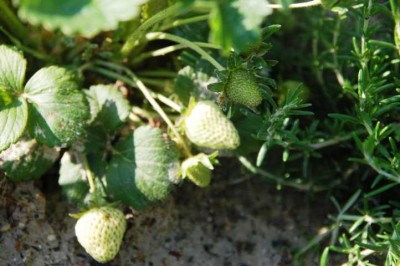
<point x="51" y="238"/>
<point x="5" y="228"/>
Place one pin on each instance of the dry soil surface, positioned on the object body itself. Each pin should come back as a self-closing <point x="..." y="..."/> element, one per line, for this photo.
<point x="239" y="220"/>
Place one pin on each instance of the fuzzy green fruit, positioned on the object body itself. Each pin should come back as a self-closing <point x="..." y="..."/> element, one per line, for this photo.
<point x="100" y="232"/>
<point x="242" y="88"/>
<point x="206" y="126"/>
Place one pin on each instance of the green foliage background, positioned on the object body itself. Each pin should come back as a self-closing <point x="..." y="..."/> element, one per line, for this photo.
<point x="328" y="124"/>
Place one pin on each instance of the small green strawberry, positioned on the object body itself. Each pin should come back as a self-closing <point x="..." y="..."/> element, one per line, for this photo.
<point x="198" y="168"/>
<point x="242" y="88"/>
<point x="100" y="232"/>
<point x="206" y="126"/>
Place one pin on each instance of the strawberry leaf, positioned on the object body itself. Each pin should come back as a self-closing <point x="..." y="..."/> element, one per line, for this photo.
<point x="12" y="71"/>
<point x="58" y="110"/>
<point x="142" y="168"/>
<point x="235" y="23"/>
<point x="84" y="17"/>
<point x="108" y="106"/>
<point x="13" y="120"/>
<point x="27" y="160"/>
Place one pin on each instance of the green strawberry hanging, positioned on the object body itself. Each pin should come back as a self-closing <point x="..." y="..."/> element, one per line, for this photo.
<point x="242" y="88"/>
<point x="206" y="126"/>
<point x="100" y="232"/>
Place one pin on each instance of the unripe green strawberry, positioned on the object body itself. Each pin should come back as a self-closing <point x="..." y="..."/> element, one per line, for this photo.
<point x="206" y="126"/>
<point x="242" y="88"/>
<point x="100" y="232"/>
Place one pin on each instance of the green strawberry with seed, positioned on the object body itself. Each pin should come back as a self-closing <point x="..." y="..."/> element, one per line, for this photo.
<point x="206" y="126"/>
<point x="242" y="88"/>
<point x="100" y="232"/>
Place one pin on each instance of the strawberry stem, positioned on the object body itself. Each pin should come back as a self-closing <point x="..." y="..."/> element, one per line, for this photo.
<point x="297" y="5"/>
<point x="169" y="49"/>
<point x="11" y="21"/>
<point x="134" y="39"/>
<point x="167" y="101"/>
<point x="89" y="174"/>
<point x="167" y="36"/>
<point x="180" y="22"/>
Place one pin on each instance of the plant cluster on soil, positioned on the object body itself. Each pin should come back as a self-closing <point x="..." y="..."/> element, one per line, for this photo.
<point x="128" y="101"/>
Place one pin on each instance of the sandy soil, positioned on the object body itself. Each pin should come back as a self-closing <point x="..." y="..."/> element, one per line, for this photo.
<point x="237" y="221"/>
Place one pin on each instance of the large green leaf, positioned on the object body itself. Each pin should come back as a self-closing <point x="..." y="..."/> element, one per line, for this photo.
<point x="235" y="23"/>
<point x="108" y="106"/>
<point x="85" y="17"/>
<point x="12" y="71"/>
<point x="13" y="119"/>
<point x="27" y="160"/>
<point x="142" y="168"/>
<point x="58" y="110"/>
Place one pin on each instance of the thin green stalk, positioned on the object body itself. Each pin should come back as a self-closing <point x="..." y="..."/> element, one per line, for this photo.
<point x="158" y="109"/>
<point x="134" y="81"/>
<point x="11" y="21"/>
<point x="28" y="50"/>
<point x="297" y="5"/>
<point x="335" y="141"/>
<point x="134" y="39"/>
<point x="139" y="112"/>
<point x="395" y="7"/>
<point x="279" y="180"/>
<point x="331" y="142"/>
<point x="367" y="12"/>
<point x="159" y="52"/>
<point x="169" y="49"/>
<point x="167" y="36"/>
<point x="335" y="38"/>
<point x="167" y="102"/>
<point x="318" y="68"/>
<point x="371" y="162"/>
<point x="158" y="73"/>
<point x="383" y="44"/>
<point x="89" y="174"/>
<point x="313" y="242"/>
<point x="180" y="22"/>
<point x="154" y="82"/>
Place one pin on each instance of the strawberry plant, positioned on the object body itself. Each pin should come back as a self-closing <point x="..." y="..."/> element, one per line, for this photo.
<point x="129" y="100"/>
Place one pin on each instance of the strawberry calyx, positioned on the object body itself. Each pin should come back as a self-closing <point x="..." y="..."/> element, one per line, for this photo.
<point x="198" y="168"/>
